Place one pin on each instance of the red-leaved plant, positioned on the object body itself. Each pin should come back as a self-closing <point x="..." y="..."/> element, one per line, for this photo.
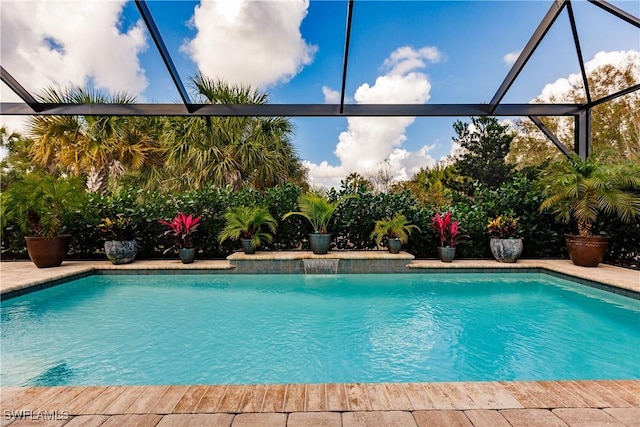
<point x="181" y="227"/>
<point x="448" y="230"/>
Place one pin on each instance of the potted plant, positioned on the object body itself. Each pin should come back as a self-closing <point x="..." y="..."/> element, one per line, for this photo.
<point x="318" y="210"/>
<point x="41" y="205"/>
<point x="504" y="242"/>
<point x="247" y="223"/>
<point x="396" y="230"/>
<point x="449" y="235"/>
<point x="182" y="227"/>
<point x="120" y="246"/>
<point x="579" y="190"/>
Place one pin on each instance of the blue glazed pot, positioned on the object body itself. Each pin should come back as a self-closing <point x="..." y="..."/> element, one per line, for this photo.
<point x="121" y="251"/>
<point x="247" y="246"/>
<point x="319" y="243"/>
<point x="506" y="250"/>
<point x="446" y="254"/>
<point x="394" y="245"/>
<point x="187" y="255"/>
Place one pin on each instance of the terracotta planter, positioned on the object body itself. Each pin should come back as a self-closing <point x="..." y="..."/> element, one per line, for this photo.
<point x="121" y="251"/>
<point x="319" y="243"/>
<point x="586" y="251"/>
<point x="247" y="246"/>
<point x="45" y="253"/>
<point x="394" y="245"/>
<point x="446" y="254"/>
<point x="187" y="255"/>
<point x="506" y="250"/>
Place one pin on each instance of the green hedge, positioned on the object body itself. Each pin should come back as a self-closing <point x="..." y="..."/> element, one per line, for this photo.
<point x="351" y="225"/>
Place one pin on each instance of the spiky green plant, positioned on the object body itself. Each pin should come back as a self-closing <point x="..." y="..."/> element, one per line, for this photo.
<point x="317" y="209"/>
<point x="397" y="227"/>
<point x="248" y="222"/>
<point x="579" y="190"/>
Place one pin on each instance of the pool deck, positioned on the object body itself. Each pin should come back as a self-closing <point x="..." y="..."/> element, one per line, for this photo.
<point x="490" y="404"/>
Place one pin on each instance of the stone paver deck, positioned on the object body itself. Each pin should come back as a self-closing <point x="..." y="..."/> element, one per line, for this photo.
<point x="481" y="404"/>
<point x="486" y="404"/>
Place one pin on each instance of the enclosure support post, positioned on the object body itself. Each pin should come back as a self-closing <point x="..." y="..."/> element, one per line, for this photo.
<point x="582" y="145"/>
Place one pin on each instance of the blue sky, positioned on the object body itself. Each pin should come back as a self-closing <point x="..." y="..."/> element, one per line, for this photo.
<point x="401" y="51"/>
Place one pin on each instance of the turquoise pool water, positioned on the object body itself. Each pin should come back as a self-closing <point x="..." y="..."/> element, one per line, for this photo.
<point x="193" y="329"/>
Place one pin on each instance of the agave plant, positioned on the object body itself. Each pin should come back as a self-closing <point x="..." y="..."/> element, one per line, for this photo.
<point x="397" y="227"/>
<point x="248" y="222"/>
<point x="580" y="190"/>
<point x="317" y="209"/>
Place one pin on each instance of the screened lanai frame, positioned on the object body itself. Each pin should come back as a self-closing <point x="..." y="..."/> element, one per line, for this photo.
<point x="581" y="113"/>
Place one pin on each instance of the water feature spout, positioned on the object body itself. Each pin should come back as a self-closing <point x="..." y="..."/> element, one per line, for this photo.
<point x="320" y="266"/>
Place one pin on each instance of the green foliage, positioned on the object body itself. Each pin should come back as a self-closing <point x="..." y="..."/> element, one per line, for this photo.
<point x="248" y="222"/>
<point x="397" y="227"/>
<point x="580" y="190"/>
<point x="352" y="222"/>
<point x="317" y="209"/>
<point x="42" y="204"/>
<point x="355" y="218"/>
<point x="485" y="143"/>
<point x="519" y="198"/>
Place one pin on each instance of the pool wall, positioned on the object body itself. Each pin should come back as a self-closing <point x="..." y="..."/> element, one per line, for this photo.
<point x="19" y="278"/>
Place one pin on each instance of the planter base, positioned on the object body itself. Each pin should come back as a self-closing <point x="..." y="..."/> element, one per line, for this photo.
<point x="46" y="253"/>
<point x="247" y="246"/>
<point x="319" y="243"/>
<point x="187" y="255"/>
<point x="394" y="245"/>
<point x="506" y="250"/>
<point x="121" y="251"/>
<point x="586" y="251"/>
<point x="446" y="254"/>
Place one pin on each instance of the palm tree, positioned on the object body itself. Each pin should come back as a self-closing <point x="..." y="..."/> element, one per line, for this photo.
<point x="581" y="189"/>
<point x="229" y="151"/>
<point x="93" y="146"/>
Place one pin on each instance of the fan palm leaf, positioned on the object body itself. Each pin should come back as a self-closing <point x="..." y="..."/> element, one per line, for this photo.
<point x="580" y="190"/>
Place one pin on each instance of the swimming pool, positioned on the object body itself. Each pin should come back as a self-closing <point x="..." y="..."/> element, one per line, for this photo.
<point x="232" y="329"/>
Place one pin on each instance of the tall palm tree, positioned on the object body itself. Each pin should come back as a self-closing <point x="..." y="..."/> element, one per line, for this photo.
<point x="229" y="151"/>
<point x="93" y="146"/>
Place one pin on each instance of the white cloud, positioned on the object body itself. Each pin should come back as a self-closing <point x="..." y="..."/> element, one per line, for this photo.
<point x="69" y="43"/>
<point x="250" y="42"/>
<point x="558" y="90"/>
<point x="511" y="57"/>
<point x="370" y="141"/>
<point x="330" y="96"/>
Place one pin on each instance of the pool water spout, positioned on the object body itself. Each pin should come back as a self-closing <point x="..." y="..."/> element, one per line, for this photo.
<point x="320" y="266"/>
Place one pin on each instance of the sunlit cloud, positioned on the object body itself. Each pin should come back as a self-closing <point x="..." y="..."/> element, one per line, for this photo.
<point x="558" y="90"/>
<point x="248" y="42"/>
<point x="70" y="43"/>
<point x="369" y="142"/>
<point x="330" y="96"/>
